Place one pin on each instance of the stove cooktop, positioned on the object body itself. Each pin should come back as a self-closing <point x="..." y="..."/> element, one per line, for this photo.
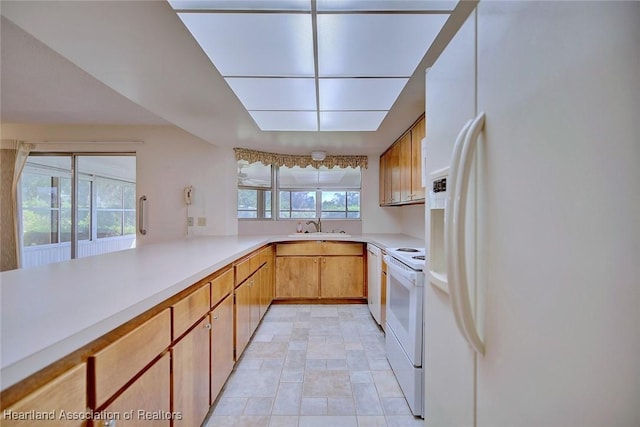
<point x="412" y="257"/>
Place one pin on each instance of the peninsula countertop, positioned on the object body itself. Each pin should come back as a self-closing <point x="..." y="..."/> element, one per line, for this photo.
<point x="52" y="310"/>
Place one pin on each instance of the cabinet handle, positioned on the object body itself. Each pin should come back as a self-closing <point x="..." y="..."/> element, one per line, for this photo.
<point x="109" y="423"/>
<point x="215" y="317"/>
<point x="208" y="326"/>
<point x="324" y="260"/>
<point x="315" y="260"/>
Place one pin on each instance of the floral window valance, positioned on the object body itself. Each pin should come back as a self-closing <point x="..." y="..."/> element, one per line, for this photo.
<point x="291" y="160"/>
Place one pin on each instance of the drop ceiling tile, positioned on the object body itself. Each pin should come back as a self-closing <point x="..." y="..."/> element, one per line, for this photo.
<point x="275" y="93"/>
<point x="377" y="45"/>
<point x="386" y="5"/>
<point x="351" y="120"/>
<point x="285" y="120"/>
<point x="360" y="94"/>
<point x="255" y="44"/>
<point x="304" y="5"/>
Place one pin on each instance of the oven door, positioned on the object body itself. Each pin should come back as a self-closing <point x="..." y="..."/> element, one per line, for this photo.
<point x="404" y="307"/>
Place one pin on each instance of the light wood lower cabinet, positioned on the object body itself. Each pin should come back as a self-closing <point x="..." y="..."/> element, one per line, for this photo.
<point x="222" y="360"/>
<point x="297" y="277"/>
<point x="342" y="277"/>
<point x="59" y="401"/>
<point x="325" y="270"/>
<point x="146" y="399"/>
<point x="190" y="370"/>
<point x="243" y="296"/>
<point x="119" y="362"/>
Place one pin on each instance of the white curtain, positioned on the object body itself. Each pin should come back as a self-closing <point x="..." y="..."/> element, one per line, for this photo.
<point x="13" y="156"/>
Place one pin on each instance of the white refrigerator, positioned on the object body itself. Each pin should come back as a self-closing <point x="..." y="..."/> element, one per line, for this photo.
<point x="540" y="238"/>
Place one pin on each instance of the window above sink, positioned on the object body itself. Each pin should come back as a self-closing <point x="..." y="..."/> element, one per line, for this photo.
<point x="284" y="193"/>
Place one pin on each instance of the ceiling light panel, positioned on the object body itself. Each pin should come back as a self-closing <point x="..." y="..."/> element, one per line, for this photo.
<point x="360" y="94"/>
<point x="275" y="93"/>
<point x="351" y="120"/>
<point x="281" y="5"/>
<point x="377" y="45"/>
<point x="255" y="44"/>
<point x="385" y="5"/>
<point x="286" y="120"/>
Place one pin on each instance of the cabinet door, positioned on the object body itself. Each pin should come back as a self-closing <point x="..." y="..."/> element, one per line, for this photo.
<point x="65" y="393"/>
<point x="221" y="345"/>
<point x="265" y="288"/>
<point x="383" y="296"/>
<point x="405" y="167"/>
<point x="388" y="172"/>
<point x="297" y="277"/>
<point x="243" y="316"/>
<point x="381" y="181"/>
<point x="417" y="133"/>
<point x="396" y="184"/>
<point x="256" y="287"/>
<point x="190" y="361"/>
<point x="145" y="397"/>
<point x="342" y="277"/>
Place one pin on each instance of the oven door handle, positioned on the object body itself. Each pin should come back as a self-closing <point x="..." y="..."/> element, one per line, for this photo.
<point x="408" y="276"/>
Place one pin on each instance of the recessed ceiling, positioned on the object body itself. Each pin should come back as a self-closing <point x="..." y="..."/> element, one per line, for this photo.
<point x="315" y="65"/>
<point x="137" y="63"/>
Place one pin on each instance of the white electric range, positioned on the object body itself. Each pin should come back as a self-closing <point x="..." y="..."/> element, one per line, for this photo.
<point x="405" y="280"/>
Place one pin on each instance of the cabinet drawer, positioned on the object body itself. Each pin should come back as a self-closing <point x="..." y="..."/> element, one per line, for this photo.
<point x="266" y="255"/>
<point x="190" y="309"/>
<point x="246" y="267"/>
<point x="342" y="248"/>
<point x="221" y="286"/>
<point x="65" y="393"/>
<point x="318" y="247"/>
<point x="115" y="365"/>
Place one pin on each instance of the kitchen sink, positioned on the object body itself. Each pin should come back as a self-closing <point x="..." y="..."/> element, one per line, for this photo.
<point x="319" y="234"/>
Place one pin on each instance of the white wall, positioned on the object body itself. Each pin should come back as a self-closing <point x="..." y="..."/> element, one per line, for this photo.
<point x="412" y="220"/>
<point x="168" y="160"/>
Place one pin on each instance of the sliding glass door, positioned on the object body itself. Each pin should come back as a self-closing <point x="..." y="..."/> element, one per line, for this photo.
<point x="76" y="205"/>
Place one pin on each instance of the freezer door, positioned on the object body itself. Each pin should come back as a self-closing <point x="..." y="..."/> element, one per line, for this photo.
<point x="448" y="360"/>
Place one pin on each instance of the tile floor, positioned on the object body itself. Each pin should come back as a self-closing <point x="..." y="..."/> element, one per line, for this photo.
<point x="313" y="365"/>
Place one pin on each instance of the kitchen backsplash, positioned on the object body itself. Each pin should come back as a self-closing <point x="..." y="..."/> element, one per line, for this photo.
<point x="289" y="227"/>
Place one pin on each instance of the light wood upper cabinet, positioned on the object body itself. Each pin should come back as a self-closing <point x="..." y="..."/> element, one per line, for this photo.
<point x="65" y="393"/>
<point x="417" y="134"/>
<point x="405" y="167"/>
<point x="222" y="360"/>
<point x="401" y="168"/>
<point x="396" y="180"/>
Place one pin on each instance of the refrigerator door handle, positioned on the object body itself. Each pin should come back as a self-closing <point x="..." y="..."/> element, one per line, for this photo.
<point x="459" y="287"/>
<point x="449" y="237"/>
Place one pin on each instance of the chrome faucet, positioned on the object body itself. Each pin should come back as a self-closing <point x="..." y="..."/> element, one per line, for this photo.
<point x="317" y="225"/>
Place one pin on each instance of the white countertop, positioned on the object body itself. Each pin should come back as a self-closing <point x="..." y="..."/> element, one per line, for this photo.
<point x="52" y="310"/>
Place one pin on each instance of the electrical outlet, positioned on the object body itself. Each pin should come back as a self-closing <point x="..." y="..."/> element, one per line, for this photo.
<point x="202" y="221"/>
<point x="190" y="221"/>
